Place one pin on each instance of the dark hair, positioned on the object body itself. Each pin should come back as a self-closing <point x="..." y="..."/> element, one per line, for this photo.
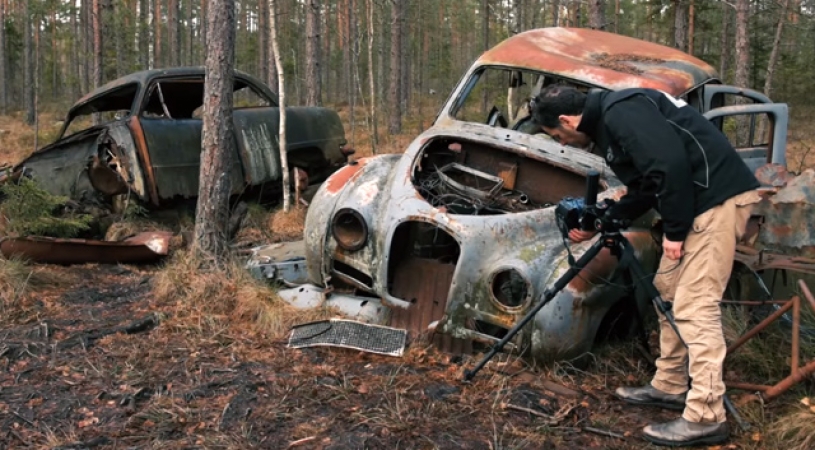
<point x="554" y="101"/>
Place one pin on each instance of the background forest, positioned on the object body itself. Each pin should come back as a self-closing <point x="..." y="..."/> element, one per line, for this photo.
<point x="404" y="56"/>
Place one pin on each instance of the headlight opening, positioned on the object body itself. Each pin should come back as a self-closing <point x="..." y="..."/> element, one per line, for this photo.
<point x="349" y="229"/>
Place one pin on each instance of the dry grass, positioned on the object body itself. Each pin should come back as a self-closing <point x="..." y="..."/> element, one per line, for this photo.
<point x="287" y="225"/>
<point x="215" y="300"/>
<point x="17" y="138"/>
<point x="797" y="429"/>
<point x="17" y="279"/>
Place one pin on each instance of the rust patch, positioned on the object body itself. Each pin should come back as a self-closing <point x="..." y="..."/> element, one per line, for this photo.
<point x="573" y="53"/>
<point x="143" y="247"/>
<point x="622" y="62"/>
<point x="334" y="183"/>
<point x="144" y="155"/>
<point x="425" y="283"/>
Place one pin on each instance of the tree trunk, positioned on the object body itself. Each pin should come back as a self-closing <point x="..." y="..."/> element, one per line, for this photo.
<point x="28" y="63"/>
<point x="97" y="43"/>
<point x="371" y="79"/>
<point x="313" y="57"/>
<point x="742" y="44"/>
<point x="3" y="55"/>
<point x="485" y="37"/>
<point x="395" y="94"/>
<point x="768" y="82"/>
<point x="217" y="143"/>
<point x="117" y="40"/>
<point x="204" y="17"/>
<point x="555" y="13"/>
<point x="725" y="41"/>
<point x="263" y="40"/>
<point x="404" y="50"/>
<point x="284" y="163"/>
<point x="157" y="54"/>
<point x="680" y="25"/>
<point x="144" y="35"/>
<point x="597" y="14"/>
<point x="691" y="25"/>
<point x="172" y="31"/>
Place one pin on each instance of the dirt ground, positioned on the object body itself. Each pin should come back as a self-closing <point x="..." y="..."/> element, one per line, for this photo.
<point x="104" y="366"/>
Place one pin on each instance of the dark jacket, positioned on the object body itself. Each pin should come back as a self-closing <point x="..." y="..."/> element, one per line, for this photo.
<point x="668" y="155"/>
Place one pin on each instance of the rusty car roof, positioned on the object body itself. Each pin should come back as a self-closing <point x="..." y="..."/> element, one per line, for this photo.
<point x="603" y="59"/>
<point x="145" y="76"/>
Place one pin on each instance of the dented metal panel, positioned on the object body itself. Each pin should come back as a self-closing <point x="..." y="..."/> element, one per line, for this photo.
<point x="602" y="59"/>
<point x="788" y="214"/>
<point x="143" y="247"/>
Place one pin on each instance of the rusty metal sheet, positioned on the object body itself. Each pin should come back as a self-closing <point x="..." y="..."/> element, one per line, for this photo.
<point x="141" y="248"/>
<point x="425" y="283"/>
<point x="788" y="215"/>
<point x="603" y="59"/>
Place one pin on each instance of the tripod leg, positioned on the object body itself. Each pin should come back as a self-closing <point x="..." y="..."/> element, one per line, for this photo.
<point x="561" y="283"/>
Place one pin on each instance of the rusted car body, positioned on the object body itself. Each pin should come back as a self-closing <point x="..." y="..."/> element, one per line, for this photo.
<point x="456" y="238"/>
<point x="148" y="144"/>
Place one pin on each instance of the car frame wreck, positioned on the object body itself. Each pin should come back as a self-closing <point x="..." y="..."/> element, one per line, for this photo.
<point x="456" y="238"/>
<point x="148" y="144"/>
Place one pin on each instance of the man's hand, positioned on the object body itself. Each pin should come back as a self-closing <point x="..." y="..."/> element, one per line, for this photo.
<point x="577" y="235"/>
<point x="671" y="249"/>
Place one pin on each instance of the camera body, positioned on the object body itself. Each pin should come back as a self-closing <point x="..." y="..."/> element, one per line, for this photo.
<point x="586" y="213"/>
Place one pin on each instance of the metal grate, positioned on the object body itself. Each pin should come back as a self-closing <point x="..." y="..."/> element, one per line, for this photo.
<point x="349" y="334"/>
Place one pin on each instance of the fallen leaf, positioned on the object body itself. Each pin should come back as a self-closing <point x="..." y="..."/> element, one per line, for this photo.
<point x="756" y="437"/>
<point x="149" y="423"/>
<point x="805" y="401"/>
<point x="362" y="389"/>
<point x="88" y="422"/>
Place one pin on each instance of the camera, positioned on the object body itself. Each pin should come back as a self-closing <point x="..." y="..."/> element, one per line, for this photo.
<point x="585" y="213"/>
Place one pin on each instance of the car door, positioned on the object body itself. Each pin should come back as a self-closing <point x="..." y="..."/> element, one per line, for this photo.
<point x="754" y="124"/>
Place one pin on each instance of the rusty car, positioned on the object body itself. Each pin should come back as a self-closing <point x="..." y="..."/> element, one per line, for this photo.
<point x="146" y="140"/>
<point x="455" y="239"/>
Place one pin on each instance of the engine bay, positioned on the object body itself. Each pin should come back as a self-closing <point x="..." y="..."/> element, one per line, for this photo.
<point x="469" y="178"/>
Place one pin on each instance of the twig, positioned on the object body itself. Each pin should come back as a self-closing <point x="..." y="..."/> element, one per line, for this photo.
<point x="551" y="419"/>
<point x="23" y="418"/>
<point x="301" y="441"/>
<point x="603" y="432"/>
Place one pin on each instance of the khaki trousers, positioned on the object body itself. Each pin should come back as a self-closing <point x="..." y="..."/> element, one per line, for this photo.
<point x="695" y="284"/>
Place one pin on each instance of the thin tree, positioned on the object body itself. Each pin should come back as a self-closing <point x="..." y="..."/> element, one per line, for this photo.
<point x="281" y="87"/>
<point x="782" y="15"/>
<point x="313" y="56"/>
<point x="28" y="63"/>
<point x="217" y="142"/>
<point x="395" y="94"/>
<point x="371" y="79"/>
<point x="3" y="56"/>
<point x="742" y="43"/>
<point x="680" y="25"/>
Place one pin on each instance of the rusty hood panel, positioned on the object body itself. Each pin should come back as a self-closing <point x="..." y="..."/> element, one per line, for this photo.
<point x="600" y="58"/>
<point x="141" y="248"/>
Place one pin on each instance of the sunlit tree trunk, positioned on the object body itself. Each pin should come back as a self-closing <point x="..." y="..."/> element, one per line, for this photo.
<point x="371" y="79"/>
<point x="597" y="14"/>
<point x="284" y="163"/>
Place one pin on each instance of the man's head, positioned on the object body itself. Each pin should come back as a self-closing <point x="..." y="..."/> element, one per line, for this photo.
<point x="558" y="110"/>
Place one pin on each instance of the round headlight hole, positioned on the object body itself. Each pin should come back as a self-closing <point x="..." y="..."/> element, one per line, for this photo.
<point x="509" y="288"/>
<point x="349" y="229"/>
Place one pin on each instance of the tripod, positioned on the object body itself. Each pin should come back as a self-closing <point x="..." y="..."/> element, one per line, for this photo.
<point x="621" y="248"/>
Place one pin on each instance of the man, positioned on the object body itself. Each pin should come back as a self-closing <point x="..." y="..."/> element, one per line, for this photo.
<point x="674" y="160"/>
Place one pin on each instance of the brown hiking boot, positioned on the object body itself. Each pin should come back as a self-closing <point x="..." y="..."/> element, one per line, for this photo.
<point x="681" y="432"/>
<point x="651" y="396"/>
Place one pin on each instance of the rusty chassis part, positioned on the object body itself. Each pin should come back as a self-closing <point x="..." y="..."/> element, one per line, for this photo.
<point x="141" y="248"/>
<point x="797" y="372"/>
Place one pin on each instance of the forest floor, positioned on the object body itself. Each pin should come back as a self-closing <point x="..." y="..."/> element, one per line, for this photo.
<point x="163" y="356"/>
